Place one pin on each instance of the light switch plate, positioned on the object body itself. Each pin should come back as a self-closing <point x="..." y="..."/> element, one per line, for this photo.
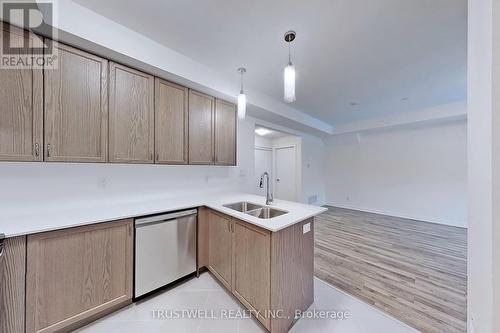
<point x="306" y="228"/>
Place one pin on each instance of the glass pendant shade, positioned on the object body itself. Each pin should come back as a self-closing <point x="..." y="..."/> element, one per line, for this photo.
<point x="242" y="105"/>
<point x="289" y="80"/>
<point x="242" y="98"/>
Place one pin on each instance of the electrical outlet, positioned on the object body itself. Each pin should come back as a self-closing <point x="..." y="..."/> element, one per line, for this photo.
<point x="102" y="183"/>
<point x="306" y="228"/>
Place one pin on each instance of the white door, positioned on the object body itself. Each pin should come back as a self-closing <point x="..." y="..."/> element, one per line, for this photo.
<point x="285" y="174"/>
<point x="263" y="162"/>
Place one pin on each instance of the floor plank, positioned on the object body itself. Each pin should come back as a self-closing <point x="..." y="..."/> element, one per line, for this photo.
<point x="415" y="271"/>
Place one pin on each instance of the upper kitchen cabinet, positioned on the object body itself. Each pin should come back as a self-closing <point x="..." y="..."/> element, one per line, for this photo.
<point x="76" y="108"/>
<point x="171" y="123"/>
<point x="131" y="115"/>
<point x="201" y="128"/>
<point x="21" y="114"/>
<point x="225" y="133"/>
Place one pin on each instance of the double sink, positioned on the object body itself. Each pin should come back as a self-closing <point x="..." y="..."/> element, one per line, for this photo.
<point x="261" y="212"/>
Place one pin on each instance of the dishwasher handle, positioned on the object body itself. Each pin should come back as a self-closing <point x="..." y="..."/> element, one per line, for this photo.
<point x="165" y="217"/>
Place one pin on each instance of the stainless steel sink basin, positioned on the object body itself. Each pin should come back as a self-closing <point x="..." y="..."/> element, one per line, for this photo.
<point x="261" y="212"/>
<point x="266" y="212"/>
<point x="243" y="207"/>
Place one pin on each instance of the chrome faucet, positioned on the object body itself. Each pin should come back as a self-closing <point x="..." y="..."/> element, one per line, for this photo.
<point x="269" y="195"/>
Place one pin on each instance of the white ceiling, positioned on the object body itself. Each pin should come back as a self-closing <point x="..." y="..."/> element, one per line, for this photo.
<point x="370" y="52"/>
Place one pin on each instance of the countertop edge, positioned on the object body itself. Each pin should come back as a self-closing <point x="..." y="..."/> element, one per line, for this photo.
<point x="295" y="218"/>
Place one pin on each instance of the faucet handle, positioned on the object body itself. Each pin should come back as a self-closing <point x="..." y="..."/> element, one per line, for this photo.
<point x="261" y="183"/>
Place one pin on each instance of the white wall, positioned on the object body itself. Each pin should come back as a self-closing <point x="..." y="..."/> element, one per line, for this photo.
<point x="483" y="96"/>
<point x="417" y="172"/>
<point x="45" y="185"/>
<point x="314" y="173"/>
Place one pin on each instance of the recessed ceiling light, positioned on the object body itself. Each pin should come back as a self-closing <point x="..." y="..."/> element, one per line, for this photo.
<point x="262" y="131"/>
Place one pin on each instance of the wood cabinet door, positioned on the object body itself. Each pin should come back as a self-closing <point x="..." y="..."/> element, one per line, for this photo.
<point x="171" y="123"/>
<point x="75" y="275"/>
<point x="12" y="285"/>
<point x="131" y="115"/>
<point x="21" y="111"/>
<point x="219" y="247"/>
<point x="252" y="268"/>
<point x="225" y="133"/>
<point x="201" y="128"/>
<point x="76" y="107"/>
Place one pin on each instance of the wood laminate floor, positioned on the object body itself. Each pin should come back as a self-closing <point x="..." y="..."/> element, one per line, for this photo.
<point x="415" y="271"/>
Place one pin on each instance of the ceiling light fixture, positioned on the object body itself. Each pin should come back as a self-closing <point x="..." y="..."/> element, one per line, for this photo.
<point x="289" y="75"/>
<point x="262" y="131"/>
<point x="242" y="98"/>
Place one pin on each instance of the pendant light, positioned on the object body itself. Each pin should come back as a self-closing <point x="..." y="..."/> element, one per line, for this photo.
<point x="289" y="75"/>
<point x="242" y="98"/>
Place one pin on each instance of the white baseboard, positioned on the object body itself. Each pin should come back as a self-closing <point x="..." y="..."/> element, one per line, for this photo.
<point x="453" y="223"/>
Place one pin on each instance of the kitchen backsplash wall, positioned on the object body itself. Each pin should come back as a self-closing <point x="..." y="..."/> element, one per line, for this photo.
<point x="45" y="185"/>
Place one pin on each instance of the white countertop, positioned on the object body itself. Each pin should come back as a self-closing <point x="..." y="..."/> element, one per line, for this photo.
<point x="83" y="213"/>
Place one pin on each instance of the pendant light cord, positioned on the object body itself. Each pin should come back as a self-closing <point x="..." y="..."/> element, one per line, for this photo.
<point x="289" y="53"/>
<point x="241" y="90"/>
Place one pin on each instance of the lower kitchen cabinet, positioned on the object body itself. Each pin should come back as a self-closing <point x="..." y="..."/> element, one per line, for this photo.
<point x="270" y="273"/>
<point x="12" y="281"/>
<point x="77" y="275"/>
<point x="252" y="268"/>
<point x="220" y="247"/>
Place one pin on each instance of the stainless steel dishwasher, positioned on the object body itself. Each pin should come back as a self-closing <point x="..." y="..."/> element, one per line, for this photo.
<point x="165" y="249"/>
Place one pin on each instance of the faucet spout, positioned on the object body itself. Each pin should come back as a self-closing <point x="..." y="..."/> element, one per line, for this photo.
<point x="269" y="195"/>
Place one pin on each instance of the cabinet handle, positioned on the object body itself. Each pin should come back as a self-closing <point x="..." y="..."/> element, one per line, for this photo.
<point x="48" y="149"/>
<point x="37" y="149"/>
<point x="157" y="156"/>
